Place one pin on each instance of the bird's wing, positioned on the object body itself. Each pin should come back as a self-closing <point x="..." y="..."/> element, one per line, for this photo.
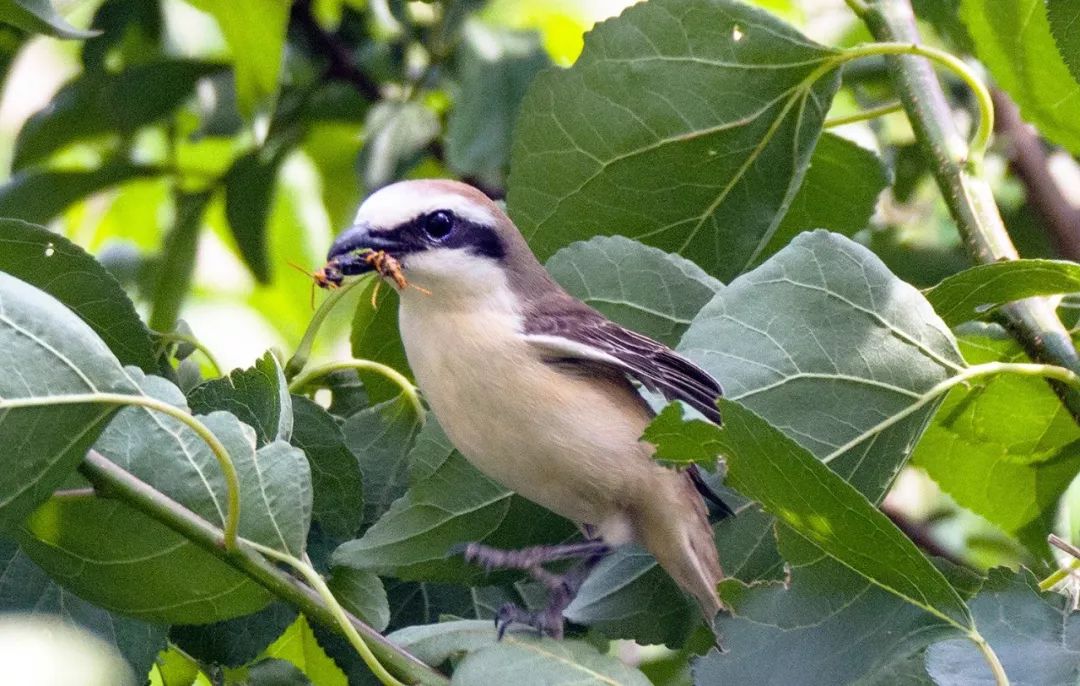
<point x="586" y="336"/>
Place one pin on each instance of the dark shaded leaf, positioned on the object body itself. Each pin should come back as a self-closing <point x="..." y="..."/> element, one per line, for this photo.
<point x="46" y="351"/>
<point x="129" y="29"/>
<point x="1035" y="635"/>
<point x="65" y="271"/>
<point x="380" y="437"/>
<point x="375" y="337"/>
<point x="362" y="594"/>
<point x="257" y="396"/>
<point x="626" y="141"/>
<point x="38" y="196"/>
<point x="975" y="292"/>
<point x="234" y="642"/>
<point x="276" y="673"/>
<point x="39" y="16"/>
<point x="98" y="103"/>
<point x="249" y="193"/>
<point x="172" y="274"/>
<point x="336" y="480"/>
<point x="640" y="287"/>
<point x="24" y="587"/>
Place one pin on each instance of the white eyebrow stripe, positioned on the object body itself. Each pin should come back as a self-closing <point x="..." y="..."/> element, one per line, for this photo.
<point x="395" y="205"/>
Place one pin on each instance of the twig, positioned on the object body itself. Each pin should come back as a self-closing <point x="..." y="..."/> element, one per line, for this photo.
<point x="1033" y="322"/>
<point x="113" y="482"/>
<point x="340" y="61"/>
<point x="1029" y="161"/>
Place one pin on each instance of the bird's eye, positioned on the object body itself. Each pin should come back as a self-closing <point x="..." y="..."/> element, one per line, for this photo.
<point x="439" y="224"/>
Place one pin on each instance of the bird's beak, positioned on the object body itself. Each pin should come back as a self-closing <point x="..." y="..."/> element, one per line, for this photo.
<point x="348" y="250"/>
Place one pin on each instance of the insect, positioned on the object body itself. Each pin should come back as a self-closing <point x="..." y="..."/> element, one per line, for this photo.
<point x="333" y="272"/>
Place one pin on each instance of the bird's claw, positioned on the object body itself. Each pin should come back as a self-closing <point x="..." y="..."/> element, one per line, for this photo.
<point x="548" y="621"/>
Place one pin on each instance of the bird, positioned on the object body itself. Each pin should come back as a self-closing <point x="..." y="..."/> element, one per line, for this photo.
<point x="537" y="390"/>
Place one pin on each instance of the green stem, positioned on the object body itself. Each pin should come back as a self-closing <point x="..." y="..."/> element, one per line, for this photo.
<point x="1000" y="677"/>
<point x="228" y="470"/>
<point x="865" y="115"/>
<point x="194" y="342"/>
<point x="1032" y="322"/>
<point x="981" y="140"/>
<point x="112" y="481"/>
<point x="304" y="380"/>
<point x="299" y="359"/>
<point x="1044" y="371"/>
<point x="316" y="581"/>
<point x="1061" y="574"/>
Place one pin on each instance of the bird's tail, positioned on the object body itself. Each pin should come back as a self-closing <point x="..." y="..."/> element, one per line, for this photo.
<point x="681" y="540"/>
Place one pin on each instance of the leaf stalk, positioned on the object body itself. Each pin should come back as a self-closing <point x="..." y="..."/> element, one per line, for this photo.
<point x="299" y="360"/>
<point x="410" y="391"/>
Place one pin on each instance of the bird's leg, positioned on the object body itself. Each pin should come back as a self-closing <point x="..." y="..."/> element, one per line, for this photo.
<point x="562" y="588"/>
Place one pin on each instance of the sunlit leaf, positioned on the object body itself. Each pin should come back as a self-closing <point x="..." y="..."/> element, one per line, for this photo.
<point x="39" y="16"/>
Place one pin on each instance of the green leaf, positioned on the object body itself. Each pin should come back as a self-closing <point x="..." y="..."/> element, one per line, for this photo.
<point x="234" y="642"/>
<point x="823" y="342"/>
<point x="1013" y="40"/>
<point x="794" y="486"/>
<point x="838" y="193"/>
<point x="679" y="443"/>
<point x="99" y="103"/>
<point x="640" y="287"/>
<point x="124" y="561"/>
<point x="255" y="33"/>
<point x="258" y="396"/>
<point x="375" y="337"/>
<point x="47" y="351"/>
<point x="518" y="659"/>
<point x="172" y="274"/>
<point x="249" y="193"/>
<point x="380" y="437"/>
<point x="1034" y="634"/>
<point x="24" y="587"/>
<point x="299" y="647"/>
<point x="335" y="472"/>
<point x="496" y="66"/>
<point x="1003" y="446"/>
<point x="1064" y="17"/>
<point x="37" y="196"/>
<point x="974" y="293"/>
<point x="396" y="136"/>
<point x="275" y="673"/>
<point x="362" y="594"/>
<point x="38" y="16"/>
<point x="626" y="141"/>
<point x="823" y="625"/>
<point x="66" y="272"/>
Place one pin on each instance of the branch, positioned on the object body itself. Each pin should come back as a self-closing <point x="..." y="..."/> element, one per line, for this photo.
<point x="1030" y="163"/>
<point x="113" y="482"/>
<point x="339" y="57"/>
<point x="1033" y="322"/>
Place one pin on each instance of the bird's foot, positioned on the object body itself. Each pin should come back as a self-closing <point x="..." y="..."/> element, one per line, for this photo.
<point x="527" y="559"/>
<point x="548" y="621"/>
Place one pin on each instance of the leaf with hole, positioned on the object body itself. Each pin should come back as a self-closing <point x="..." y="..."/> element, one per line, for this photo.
<point x="685" y="124"/>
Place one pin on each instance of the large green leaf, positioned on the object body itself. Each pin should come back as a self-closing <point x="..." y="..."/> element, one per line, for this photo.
<point x="838" y="193"/>
<point x="380" y="437"/>
<point x="1036" y="636"/>
<point x="98" y="103"/>
<point x="1064" y="17"/>
<point x="336" y="480"/>
<point x="641" y="287"/>
<point x="258" y="396"/>
<point x="824" y="510"/>
<point x="66" y="272"/>
<point x="362" y="594"/>
<point x="37" y="196"/>
<point x="974" y="293"/>
<point x="518" y="659"/>
<point x="24" y="587"/>
<point x="1003" y="446"/>
<point x="687" y="124"/>
<point x="375" y="337"/>
<point x="1013" y="40"/>
<point x="255" y="33"/>
<point x="823" y="625"/>
<point x="46" y="350"/>
<point x="39" y="16"/>
<point x="824" y="343"/>
<point x="495" y="67"/>
<point x="126" y="562"/>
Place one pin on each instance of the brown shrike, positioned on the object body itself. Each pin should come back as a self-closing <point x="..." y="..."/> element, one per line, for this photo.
<point x="534" y="388"/>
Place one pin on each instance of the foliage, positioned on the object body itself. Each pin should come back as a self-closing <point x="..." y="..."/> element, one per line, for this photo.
<point x="263" y="521"/>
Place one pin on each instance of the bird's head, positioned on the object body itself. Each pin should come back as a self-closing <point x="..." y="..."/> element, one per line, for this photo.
<point x="448" y="236"/>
